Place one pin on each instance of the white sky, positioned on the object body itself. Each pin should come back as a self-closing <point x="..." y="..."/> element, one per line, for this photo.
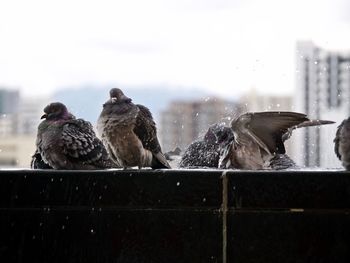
<point x="223" y="46"/>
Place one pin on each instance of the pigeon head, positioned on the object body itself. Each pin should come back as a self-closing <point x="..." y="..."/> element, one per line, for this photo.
<point x="118" y="103"/>
<point x="219" y="134"/>
<point x="118" y="95"/>
<point x="56" y="111"/>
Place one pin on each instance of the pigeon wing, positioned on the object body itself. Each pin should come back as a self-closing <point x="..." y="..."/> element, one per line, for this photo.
<point x="146" y="131"/>
<point x="80" y="143"/>
<point x="267" y="128"/>
<point x="308" y="123"/>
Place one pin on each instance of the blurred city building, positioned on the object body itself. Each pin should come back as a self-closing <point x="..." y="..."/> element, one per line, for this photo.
<point x="28" y="117"/>
<point x="322" y="92"/>
<point x="16" y="150"/>
<point x="19" y="120"/>
<point x="9" y="101"/>
<point x="253" y="101"/>
<point x="185" y="121"/>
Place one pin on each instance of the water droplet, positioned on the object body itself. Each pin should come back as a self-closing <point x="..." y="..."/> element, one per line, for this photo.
<point x="178" y="183"/>
<point x="92" y="231"/>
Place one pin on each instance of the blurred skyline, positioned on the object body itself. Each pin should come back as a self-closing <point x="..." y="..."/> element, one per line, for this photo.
<point x="222" y="47"/>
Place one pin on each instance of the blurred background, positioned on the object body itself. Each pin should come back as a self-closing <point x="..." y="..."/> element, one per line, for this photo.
<point x="192" y="62"/>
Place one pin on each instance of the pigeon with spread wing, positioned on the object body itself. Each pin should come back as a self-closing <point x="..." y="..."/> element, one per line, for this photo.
<point x="259" y="138"/>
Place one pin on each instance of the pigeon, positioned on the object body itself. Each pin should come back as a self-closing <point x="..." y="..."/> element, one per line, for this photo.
<point x="259" y="139"/>
<point x="129" y="133"/>
<point x="66" y="143"/>
<point x="342" y="143"/>
<point x="206" y="152"/>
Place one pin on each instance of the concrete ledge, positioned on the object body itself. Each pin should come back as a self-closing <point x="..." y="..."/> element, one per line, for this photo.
<point x="174" y="216"/>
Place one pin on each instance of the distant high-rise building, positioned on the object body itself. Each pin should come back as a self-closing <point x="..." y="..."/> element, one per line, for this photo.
<point x="9" y="101"/>
<point x="28" y="116"/>
<point x="19" y="119"/>
<point x="322" y="92"/>
<point x="184" y="121"/>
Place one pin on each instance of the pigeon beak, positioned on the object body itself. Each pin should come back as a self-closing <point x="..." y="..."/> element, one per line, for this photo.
<point x="44" y="116"/>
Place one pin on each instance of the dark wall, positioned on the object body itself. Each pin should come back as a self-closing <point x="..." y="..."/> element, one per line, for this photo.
<point x="174" y="216"/>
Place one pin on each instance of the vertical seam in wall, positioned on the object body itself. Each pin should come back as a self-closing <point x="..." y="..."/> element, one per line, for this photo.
<point x="224" y="216"/>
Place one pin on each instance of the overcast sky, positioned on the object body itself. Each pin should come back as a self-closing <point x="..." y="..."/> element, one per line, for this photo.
<point x="223" y="46"/>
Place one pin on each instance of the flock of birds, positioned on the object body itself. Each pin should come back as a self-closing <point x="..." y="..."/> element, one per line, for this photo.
<point x="128" y="138"/>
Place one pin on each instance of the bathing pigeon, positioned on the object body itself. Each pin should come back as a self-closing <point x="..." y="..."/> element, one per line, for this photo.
<point x="64" y="142"/>
<point x="129" y="133"/>
<point x="206" y="152"/>
<point x="259" y="138"/>
<point x="342" y="143"/>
